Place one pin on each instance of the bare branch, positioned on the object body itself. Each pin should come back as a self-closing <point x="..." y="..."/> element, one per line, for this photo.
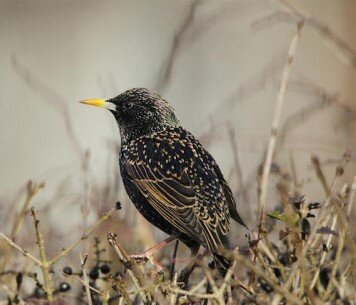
<point x="277" y="116"/>
<point x="132" y="269"/>
<point x="167" y="68"/>
<point x="48" y="95"/>
<point x="44" y="264"/>
<point x="352" y="197"/>
<point x="66" y="250"/>
<point x="341" y="49"/>
<point x="18" y="248"/>
<point x="85" y="278"/>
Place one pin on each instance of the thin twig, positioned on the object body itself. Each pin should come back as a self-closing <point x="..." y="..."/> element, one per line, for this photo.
<point x="18" y="248"/>
<point x="167" y="68"/>
<point x="325" y="213"/>
<point x="274" y="131"/>
<point x="218" y="296"/>
<point x="132" y="269"/>
<point x="291" y="298"/>
<point x="277" y="115"/>
<point x="342" y="50"/>
<point x="351" y="197"/>
<point x="77" y="278"/>
<point x="50" y="96"/>
<point x="238" y="168"/>
<point x="32" y="190"/>
<point x="320" y="174"/>
<point x="340" y="248"/>
<point x="174" y="285"/>
<point x="83" y="261"/>
<point x="66" y="250"/>
<point x="323" y="256"/>
<point x="44" y="264"/>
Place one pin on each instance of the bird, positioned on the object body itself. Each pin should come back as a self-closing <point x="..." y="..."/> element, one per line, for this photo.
<point x="172" y="180"/>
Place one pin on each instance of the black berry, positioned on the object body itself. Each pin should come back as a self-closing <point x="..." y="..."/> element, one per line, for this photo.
<point x="94" y="273"/>
<point x="67" y="270"/>
<point x="105" y="269"/>
<point x="39" y="293"/>
<point x="63" y="287"/>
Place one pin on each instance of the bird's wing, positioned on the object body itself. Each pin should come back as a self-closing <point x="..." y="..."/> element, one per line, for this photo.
<point x="197" y="209"/>
<point x="230" y="198"/>
<point x="171" y="196"/>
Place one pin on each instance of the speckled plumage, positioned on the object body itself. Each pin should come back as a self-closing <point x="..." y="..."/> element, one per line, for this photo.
<point x="171" y="179"/>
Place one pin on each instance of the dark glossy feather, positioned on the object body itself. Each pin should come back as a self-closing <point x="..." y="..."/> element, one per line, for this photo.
<point x="181" y="181"/>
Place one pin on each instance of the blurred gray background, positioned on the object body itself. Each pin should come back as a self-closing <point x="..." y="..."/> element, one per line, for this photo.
<point x="218" y="62"/>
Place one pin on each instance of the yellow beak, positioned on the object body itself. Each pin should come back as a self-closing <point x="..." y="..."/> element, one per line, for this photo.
<point x="98" y="102"/>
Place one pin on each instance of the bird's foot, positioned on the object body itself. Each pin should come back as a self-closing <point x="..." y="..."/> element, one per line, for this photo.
<point x="148" y="256"/>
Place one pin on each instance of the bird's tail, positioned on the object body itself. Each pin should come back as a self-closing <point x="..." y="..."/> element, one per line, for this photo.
<point x="222" y="263"/>
<point x="222" y="256"/>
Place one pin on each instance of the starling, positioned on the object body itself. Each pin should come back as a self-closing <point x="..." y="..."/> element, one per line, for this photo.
<point x="169" y="176"/>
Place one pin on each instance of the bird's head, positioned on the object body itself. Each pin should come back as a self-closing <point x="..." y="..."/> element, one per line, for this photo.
<point x="138" y="111"/>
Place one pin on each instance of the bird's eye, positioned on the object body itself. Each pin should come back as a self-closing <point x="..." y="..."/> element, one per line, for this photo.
<point x="127" y="106"/>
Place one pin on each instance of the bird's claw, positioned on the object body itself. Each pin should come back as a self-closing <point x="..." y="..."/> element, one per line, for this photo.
<point x="147" y="257"/>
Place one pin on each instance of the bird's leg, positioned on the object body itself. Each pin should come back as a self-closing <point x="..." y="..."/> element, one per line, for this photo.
<point x="148" y="254"/>
<point x="187" y="271"/>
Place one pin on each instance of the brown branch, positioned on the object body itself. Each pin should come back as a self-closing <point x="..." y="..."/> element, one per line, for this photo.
<point x="189" y="31"/>
<point x="291" y="298"/>
<point x="338" y="46"/>
<point x="263" y="184"/>
<point x="133" y="270"/>
<point x="18" y="248"/>
<point x="238" y="168"/>
<point x="320" y="174"/>
<point x="32" y="189"/>
<point x="48" y="95"/>
<point x="73" y="277"/>
<point x="325" y="213"/>
<point x="351" y="197"/>
<point x="83" y="261"/>
<point x="341" y="49"/>
<point x="277" y="117"/>
<point x="326" y="98"/>
<point x="44" y="264"/>
<point x="167" y="68"/>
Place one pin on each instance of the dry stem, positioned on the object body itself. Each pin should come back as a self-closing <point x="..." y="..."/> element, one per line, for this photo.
<point x="342" y="50"/>
<point x="65" y="251"/>
<point x="18" y="248"/>
<point x="83" y="260"/>
<point x="133" y="270"/>
<point x="44" y="264"/>
<point x="352" y="197"/>
<point x="277" y="116"/>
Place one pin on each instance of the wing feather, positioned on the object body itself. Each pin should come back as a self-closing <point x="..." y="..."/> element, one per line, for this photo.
<point x="195" y="205"/>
